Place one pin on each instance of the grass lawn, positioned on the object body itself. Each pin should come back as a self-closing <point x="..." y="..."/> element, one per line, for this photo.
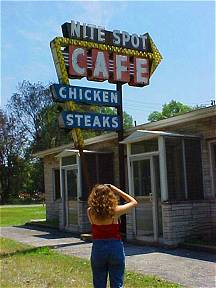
<point x="25" y="266"/>
<point x="20" y="215"/>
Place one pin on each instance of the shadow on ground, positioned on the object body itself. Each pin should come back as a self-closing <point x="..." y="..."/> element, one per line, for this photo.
<point x="130" y="249"/>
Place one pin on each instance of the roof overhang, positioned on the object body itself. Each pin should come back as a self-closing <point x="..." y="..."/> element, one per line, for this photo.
<point x="140" y="135"/>
<point x="70" y="152"/>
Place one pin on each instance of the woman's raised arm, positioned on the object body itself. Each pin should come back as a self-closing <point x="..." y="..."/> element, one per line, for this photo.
<point x="131" y="202"/>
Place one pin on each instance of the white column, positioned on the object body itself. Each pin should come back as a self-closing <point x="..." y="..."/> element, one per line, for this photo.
<point x="62" y="221"/>
<point x="130" y="186"/>
<point x="129" y="169"/>
<point x="163" y="168"/>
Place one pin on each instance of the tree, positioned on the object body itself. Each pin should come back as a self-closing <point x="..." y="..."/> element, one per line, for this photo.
<point x="28" y="106"/>
<point x="127" y="120"/>
<point x="173" y="108"/>
<point x="11" y="161"/>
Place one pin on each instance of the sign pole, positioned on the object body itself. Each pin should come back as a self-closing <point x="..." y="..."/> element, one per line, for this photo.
<point x="120" y="138"/>
<point x="121" y="151"/>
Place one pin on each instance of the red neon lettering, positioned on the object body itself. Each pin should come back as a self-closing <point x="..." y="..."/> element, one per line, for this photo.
<point x="77" y="61"/>
<point x="141" y="72"/>
<point x="100" y="65"/>
<point x="121" y="68"/>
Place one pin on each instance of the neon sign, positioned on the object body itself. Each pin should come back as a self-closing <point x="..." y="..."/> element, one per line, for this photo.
<point x="98" y="55"/>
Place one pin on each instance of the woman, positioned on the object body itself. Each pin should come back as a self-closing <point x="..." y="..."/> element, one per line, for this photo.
<point x="107" y="256"/>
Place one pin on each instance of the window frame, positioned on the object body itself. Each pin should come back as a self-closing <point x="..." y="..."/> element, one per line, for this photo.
<point x="54" y="184"/>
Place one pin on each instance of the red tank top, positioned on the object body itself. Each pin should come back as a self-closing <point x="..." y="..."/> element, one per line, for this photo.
<point x="109" y="231"/>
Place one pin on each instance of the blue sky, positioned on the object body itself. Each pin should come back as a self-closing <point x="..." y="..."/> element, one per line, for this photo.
<point x="183" y="32"/>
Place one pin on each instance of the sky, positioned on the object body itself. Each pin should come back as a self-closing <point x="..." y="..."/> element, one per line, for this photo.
<point x="182" y="31"/>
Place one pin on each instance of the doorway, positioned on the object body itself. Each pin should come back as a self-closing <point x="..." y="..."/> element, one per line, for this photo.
<point x="146" y="190"/>
<point x="71" y="195"/>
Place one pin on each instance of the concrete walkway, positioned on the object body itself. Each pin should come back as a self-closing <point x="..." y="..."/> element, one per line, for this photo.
<point x="189" y="268"/>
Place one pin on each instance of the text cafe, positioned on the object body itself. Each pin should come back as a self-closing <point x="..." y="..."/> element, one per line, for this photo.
<point x="160" y="160"/>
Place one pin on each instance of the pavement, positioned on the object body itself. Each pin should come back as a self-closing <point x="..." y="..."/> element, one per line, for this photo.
<point x="185" y="267"/>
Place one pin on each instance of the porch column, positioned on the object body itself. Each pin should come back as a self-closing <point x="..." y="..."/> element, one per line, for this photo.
<point x="129" y="169"/>
<point x="62" y="220"/>
<point x="131" y="219"/>
<point x="163" y="169"/>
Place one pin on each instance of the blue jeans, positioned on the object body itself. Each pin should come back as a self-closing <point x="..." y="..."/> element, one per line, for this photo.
<point x="107" y="257"/>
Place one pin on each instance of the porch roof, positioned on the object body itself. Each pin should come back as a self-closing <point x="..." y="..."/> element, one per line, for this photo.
<point x="70" y="152"/>
<point x="140" y="135"/>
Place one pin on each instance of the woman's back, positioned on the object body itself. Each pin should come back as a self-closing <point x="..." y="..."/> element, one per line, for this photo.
<point x="104" y="228"/>
<point x="107" y="255"/>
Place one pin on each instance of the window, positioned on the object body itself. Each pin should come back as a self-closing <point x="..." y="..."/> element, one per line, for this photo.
<point x="144" y="146"/>
<point x="69" y="160"/>
<point x="193" y="168"/>
<point x="72" y="184"/>
<point x="56" y="176"/>
<point x="175" y="169"/>
<point x="184" y="168"/>
<point x="142" y="177"/>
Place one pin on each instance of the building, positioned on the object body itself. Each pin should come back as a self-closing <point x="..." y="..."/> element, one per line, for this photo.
<point x="170" y="169"/>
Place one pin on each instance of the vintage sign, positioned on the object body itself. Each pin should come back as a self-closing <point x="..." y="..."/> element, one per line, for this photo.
<point x="70" y="120"/>
<point x="86" y="95"/>
<point x="99" y="66"/>
<point x="99" y="55"/>
<point x="96" y="34"/>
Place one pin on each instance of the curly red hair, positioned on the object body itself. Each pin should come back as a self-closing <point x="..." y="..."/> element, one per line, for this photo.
<point x="102" y="201"/>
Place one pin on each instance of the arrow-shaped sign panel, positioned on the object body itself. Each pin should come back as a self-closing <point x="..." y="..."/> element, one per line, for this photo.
<point x="128" y="65"/>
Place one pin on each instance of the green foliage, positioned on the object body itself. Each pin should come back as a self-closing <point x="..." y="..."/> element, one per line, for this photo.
<point x="11" y="216"/>
<point x="171" y="109"/>
<point x="12" y="162"/>
<point x="127" y="120"/>
<point x="27" y="105"/>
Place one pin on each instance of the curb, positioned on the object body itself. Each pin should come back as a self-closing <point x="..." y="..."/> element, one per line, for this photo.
<point x="199" y="247"/>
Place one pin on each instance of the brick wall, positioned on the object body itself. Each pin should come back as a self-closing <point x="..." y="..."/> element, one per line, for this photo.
<point x="130" y="226"/>
<point x="52" y="206"/>
<point x="84" y="224"/>
<point x="187" y="220"/>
